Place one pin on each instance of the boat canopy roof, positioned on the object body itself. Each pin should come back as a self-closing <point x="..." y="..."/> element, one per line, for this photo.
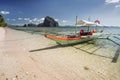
<point x="88" y="23"/>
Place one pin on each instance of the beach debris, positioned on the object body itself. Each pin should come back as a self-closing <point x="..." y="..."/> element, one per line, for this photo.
<point x="27" y="73"/>
<point x="86" y="68"/>
<point x="15" y="78"/>
<point x="6" y="78"/>
<point x="34" y="76"/>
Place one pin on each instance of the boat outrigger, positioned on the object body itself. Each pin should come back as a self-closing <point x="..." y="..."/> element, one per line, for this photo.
<point x="82" y="36"/>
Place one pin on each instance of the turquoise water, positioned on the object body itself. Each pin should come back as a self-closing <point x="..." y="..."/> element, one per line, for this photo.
<point x="112" y="32"/>
<point x="108" y="48"/>
<point x="67" y="30"/>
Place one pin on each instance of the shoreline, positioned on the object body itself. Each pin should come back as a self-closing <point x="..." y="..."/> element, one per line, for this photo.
<point x="65" y="63"/>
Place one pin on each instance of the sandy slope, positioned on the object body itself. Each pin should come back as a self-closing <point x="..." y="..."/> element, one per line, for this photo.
<point x="60" y="63"/>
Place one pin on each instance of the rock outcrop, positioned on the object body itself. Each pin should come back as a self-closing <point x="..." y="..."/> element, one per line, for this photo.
<point x="29" y="25"/>
<point x="50" y="22"/>
<point x="2" y="22"/>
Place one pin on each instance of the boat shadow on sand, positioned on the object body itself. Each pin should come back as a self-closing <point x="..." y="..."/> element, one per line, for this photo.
<point x="88" y="47"/>
<point x="56" y="46"/>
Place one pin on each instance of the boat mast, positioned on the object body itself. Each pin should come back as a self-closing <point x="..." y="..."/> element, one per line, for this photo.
<point x="76" y="26"/>
<point x="88" y="24"/>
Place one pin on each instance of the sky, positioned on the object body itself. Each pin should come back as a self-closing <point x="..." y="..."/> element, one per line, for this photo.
<point x="63" y="11"/>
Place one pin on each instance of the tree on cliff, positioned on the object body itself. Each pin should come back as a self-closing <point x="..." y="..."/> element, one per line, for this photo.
<point x="2" y="22"/>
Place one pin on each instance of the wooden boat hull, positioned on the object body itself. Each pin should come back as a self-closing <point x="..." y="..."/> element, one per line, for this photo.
<point x="69" y="40"/>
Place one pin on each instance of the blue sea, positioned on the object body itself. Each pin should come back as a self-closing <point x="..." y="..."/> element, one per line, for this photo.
<point x="112" y="32"/>
<point x="67" y="29"/>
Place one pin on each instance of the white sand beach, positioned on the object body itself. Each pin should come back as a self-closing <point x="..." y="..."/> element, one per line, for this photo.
<point x="58" y="63"/>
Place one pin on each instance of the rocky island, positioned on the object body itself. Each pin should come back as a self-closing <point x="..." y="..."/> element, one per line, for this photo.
<point x="48" y="22"/>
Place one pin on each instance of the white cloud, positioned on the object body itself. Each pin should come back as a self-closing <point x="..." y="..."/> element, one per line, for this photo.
<point x="56" y="19"/>
<point x="112" y="1"/>
<point x="30" y="21"/>
<point x="35" y="19"/>
<point x="42" y="19"/>
<point x="4" y="12"/>
<point x="26" y="19"/>
<point x="19" y="18"/>
<point x="64" y="21"/>
<point x="13" y="19"/>
<point x="117" y="6"/>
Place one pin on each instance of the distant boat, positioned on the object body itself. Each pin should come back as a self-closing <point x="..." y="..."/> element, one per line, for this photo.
<point x="82" y="36"/>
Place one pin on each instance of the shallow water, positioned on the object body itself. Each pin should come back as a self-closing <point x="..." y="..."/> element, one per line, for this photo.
<point x="107" y="30"/>
<point x="108" y="48"/>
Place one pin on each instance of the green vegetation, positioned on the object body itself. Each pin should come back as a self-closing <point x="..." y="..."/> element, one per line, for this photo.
<point x="2" y="22"/>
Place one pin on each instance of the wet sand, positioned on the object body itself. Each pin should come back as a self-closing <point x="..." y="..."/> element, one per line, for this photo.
<point x="48" y="61"/>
